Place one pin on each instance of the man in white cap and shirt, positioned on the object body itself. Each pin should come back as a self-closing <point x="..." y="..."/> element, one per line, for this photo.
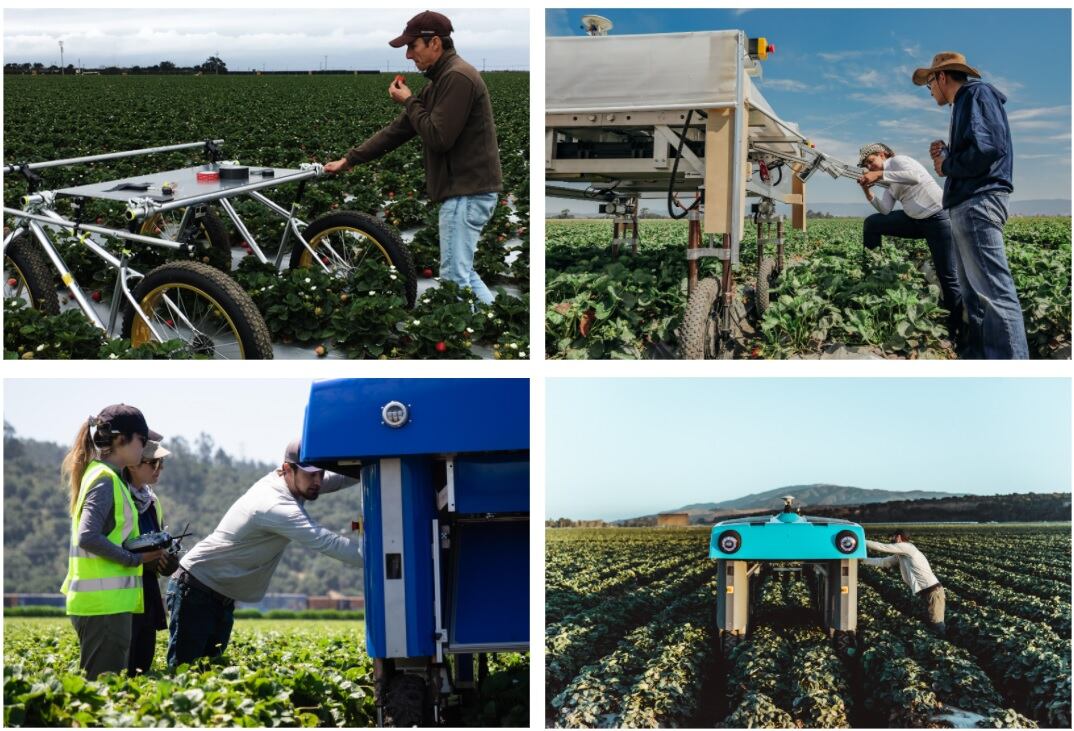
<point x="922" y="217"/>
<point x="236" y="562"/>
<point x="915" y="571"/>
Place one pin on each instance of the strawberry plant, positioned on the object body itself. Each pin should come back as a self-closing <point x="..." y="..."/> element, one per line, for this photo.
<point x="832" y="293"/>
<point x="628" y="638"/>
<point x="265" y="120"/>
<point x="273" y="674"/>
<point x="442" y="324"/>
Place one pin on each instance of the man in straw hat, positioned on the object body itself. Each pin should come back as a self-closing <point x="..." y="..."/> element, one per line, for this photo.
<point x="922" y="216"/>
<point x="977" y="164"/>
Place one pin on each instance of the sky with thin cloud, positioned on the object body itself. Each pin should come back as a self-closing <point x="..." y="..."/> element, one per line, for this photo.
<point x="623" y="447"/>
<point x="274" y="40"/>
<point x="844" y="77"/>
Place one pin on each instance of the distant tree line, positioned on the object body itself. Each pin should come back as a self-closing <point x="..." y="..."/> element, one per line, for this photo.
<point x="212" y="65"/>
<point x="198" y="484"/>
<point x="1030" y="507"/>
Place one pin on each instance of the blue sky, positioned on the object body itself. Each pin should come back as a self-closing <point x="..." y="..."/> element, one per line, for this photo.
<point x="621" y="448"/>
<point x="250" y="418"/>
<point x="844" y="77"/>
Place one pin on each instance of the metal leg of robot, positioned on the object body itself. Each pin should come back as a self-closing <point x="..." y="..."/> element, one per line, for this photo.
<point x="406" y="693"/>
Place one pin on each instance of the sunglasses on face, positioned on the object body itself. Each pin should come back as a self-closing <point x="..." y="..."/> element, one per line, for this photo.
<point x="154" y="463"/>
<point x="928" y="82"/>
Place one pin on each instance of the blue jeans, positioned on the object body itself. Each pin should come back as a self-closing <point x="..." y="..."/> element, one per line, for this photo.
<point x="996" y="328"/>
<point x="200" y="625"/>
<point x="461" y="220"/>
<point x="936" y="230"/>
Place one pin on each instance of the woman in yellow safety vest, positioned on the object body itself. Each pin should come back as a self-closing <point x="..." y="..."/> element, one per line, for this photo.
<point x="104" y="580"/>
<point x="140" y="479"/>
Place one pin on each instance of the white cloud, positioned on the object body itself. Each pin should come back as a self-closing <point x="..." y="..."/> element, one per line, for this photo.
<point x="1024" y="124"/>
<point x="285" y="38"/>
<point x="1009" y="87"/>
<point x="871" y="77"/>
<point x="1034" y="112"/>
<point x="840" y="55"/>
<point x="787" y="85"/>
<point x="898" y="100"/>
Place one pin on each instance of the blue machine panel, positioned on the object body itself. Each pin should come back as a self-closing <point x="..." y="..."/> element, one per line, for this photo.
<point x="446" y="415"/>
<point x="770" y="540"/>
<point x="399" y="506"/>
<point x="492" y="484"/>
<point x="490" y="591"/>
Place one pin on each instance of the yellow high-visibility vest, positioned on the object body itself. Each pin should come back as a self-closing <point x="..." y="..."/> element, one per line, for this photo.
<point x="96" y="585"/>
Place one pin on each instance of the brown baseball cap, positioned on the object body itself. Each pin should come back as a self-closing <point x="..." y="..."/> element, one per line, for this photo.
<point x="292" y="453"/>
<point x="944" y="61"/>
<point x="423" y="25"/>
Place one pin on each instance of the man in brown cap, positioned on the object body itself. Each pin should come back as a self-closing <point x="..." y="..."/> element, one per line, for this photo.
<point x="977" y="164"/>
<point x="453" y="117"/>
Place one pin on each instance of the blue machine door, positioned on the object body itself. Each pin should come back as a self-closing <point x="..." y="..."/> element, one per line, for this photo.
<point x="489" y="607"/>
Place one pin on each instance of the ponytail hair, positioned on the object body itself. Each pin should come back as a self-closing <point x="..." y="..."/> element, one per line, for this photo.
<point x="87" y="447"/>
<point x="74" y="464"/>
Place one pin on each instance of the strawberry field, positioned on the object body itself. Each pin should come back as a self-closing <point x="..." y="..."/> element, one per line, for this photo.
<point x="834" y="295"/>
<point x="284" y="121"/>
<point x="274" y="673"/>
<point x="630" y="637"/>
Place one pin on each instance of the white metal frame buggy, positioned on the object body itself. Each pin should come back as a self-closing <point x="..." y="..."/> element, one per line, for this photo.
<point x="187" y="298"/>
<point x="673" y="113"/>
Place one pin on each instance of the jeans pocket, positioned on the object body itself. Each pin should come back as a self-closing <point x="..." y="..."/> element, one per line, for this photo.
<point x="479" y="210"/>
<point x="992" y="208"/>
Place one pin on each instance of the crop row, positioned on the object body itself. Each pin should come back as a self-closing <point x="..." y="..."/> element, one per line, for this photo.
<point x="596" y="696"/>
<point x="833" y="292"/>
<point x="1025" y="658"/>
<point x="953" y="676"/>
<point x="579" y="638"/>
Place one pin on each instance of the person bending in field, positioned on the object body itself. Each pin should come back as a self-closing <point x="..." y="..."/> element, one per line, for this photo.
<point x="915" y="571"/>
<point x="922" y="216"/>
<point x="236" y="562"/>
<point x="978" y="167"/>
<point x="452" y="115"/>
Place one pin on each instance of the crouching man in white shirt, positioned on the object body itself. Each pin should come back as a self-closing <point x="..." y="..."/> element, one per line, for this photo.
<point x="236" y="562"/>
<point x="916" y="573"/>
<point x="922" y="217"/>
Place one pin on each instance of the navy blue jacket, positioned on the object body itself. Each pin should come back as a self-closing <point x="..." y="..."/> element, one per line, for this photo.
<point x="980" y="157"/>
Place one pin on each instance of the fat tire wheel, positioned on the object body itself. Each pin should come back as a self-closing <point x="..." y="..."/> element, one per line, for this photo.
<point x="215" y="245"/>
<point x="243" y="319"/>
<point x="26" y="263"/>
<point x="386" y="239"/>
<point x="761" y="300"/>
<point x="698" y="332"/>
<point x="407" y="702"/>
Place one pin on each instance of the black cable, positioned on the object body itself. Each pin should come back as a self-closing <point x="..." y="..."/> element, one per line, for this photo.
<point x="675" y="170"/>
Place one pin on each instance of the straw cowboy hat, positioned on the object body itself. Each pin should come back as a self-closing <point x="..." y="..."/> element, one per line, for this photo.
<point x="945" y="61"/>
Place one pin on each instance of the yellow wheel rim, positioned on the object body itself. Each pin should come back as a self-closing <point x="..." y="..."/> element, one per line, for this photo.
<point x="188" y="313"/>
<point x="350" y="240"/>
<point x="21" y="290"/>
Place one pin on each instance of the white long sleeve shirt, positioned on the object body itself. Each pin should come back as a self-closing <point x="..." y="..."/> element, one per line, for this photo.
<point x="909" y="183"/>
<point x="240" y="556"/>
<point x="913" y="565"/>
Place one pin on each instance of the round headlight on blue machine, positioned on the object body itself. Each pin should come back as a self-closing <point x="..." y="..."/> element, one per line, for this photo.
<point x="729" y="541"/>
<point x="846" y="541"/>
